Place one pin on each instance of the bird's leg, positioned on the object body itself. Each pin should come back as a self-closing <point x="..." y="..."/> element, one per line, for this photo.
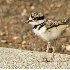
<point x="48" y="46"/>
<point x="54" y="42"/>
<point x="52" y="58"/>
<point x="53" y="48"/>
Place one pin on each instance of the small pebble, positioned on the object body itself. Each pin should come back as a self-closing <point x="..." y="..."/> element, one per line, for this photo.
<point x="68" y="47"/>
<point x="23" y="46"/>
<point x="51" y="5"/>
<point x="3" y="41"/>
<point x="52" y="16"/>
<point x="24" y="11"/>
<point x="15" y="37"/>
<point x="59" y="5"/>
<point x="7" y="26"/>
<point x="16" y="40"/>
<point x="24" y="42"/>
<point x="2" y="33"/>
<point x="32" y="7"/>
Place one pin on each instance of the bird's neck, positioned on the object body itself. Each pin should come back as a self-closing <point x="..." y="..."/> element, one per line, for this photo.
<point x="39" y="26"/>
<point x="37" y="22"/>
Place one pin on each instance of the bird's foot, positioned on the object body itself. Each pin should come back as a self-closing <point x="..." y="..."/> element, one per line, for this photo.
<point x="49" y="50"/>
<point x="45" y="60"/>
<point x="52" y="59"/>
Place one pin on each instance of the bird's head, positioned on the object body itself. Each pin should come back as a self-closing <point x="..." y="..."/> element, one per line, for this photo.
<point x="36" y="18"/>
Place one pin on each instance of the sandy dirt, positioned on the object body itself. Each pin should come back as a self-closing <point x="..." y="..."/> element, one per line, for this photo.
<point x="24" y="59"/>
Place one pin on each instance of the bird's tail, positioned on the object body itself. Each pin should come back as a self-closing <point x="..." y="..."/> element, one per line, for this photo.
<point x="66" y="21"/>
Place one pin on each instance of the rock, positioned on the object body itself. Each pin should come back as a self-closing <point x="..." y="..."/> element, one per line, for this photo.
<point x="16" y="40"/>
<point x="24" y="42"/>
<point x="68" y="47"/>
<point x="32" y="7"/>
<point x="2" y="33"/>
<point x="24" y="12"/>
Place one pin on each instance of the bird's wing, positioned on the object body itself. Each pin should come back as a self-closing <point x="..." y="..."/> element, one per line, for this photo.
<point x="51" y="23"/>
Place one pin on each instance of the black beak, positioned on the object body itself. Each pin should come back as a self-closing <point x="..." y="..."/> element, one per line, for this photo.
<point x="27" y="21"/>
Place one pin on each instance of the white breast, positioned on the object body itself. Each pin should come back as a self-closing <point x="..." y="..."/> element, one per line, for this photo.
<point x="40" y="32"/>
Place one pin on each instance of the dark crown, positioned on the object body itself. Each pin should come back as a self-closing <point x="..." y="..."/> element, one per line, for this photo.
<point x="37" y="16"/>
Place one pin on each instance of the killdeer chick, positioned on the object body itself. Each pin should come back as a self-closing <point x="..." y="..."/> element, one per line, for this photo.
<point x="46" y="29"/>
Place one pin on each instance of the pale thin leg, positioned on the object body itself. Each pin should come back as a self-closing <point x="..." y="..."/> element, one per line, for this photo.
<point x="48" y="46"/>
<point x="53" y="47"/>
<point x="52" y="58"/>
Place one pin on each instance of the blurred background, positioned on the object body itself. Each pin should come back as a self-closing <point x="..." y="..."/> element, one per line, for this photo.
<point x="15" y="34"/>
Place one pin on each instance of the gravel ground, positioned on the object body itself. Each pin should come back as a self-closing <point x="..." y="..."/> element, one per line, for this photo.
<point x="18" y="59"/>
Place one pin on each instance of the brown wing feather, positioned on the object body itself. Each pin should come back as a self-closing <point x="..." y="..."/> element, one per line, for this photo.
<point x="51" y="23"/>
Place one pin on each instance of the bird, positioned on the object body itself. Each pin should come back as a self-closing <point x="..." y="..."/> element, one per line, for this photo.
<point x="47" y="29"/>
